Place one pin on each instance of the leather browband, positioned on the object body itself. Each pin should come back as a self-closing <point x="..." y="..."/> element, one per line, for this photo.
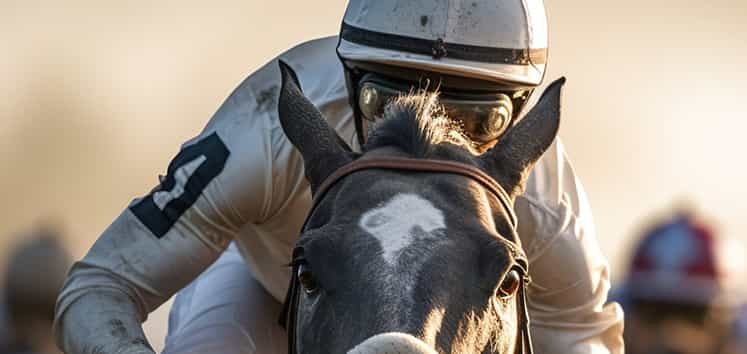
<point x="419" y="165"/>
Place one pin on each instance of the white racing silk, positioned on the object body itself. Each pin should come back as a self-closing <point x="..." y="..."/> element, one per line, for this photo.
<point x="241" y="179"/>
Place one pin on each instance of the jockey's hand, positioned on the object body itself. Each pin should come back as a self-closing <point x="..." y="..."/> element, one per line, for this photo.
<point x="104" y="322"/>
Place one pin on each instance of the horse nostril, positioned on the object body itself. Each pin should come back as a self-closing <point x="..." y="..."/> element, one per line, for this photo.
<point x="306" y="279"/>
<point x="510" y="284"/>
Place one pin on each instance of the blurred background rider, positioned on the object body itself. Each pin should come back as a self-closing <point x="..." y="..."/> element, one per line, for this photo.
<point x="680" y="295"/>
<point x="34" y="273"/>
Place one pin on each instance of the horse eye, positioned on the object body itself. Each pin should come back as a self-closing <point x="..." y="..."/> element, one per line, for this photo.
<point x="510" y="284"/>
<point x="306" y="279"/>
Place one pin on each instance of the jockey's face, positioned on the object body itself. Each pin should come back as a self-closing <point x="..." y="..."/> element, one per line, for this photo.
<point x="484" y="110"/>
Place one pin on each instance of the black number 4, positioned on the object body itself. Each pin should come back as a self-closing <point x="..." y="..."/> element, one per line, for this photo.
<point x="188" y="175"/>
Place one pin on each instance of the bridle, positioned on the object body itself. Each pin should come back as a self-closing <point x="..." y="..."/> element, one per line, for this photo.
<point x="288" y="316"/>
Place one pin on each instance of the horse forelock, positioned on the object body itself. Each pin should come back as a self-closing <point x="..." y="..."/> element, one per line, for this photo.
<point x="416" y="123"/>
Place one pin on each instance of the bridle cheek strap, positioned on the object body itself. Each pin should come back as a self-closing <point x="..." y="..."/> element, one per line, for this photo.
<point x="290" y="307"/>
<point x="524" y="341"/>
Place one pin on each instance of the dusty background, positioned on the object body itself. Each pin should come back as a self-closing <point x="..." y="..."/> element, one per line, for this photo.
<point x="97" y="96"/>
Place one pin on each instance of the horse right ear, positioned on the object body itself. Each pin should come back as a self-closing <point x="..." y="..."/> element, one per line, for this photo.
<point x="513" y="157"/>
<point x="308" y="131"/>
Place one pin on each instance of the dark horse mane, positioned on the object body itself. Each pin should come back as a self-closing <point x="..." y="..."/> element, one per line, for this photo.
<point x="416" y="123"/>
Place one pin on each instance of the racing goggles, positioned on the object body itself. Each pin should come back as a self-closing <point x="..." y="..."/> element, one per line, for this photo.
<point x="484" y="116"/>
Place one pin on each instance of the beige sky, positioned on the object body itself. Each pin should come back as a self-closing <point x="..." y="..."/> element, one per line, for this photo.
<point x="96" y="96"/>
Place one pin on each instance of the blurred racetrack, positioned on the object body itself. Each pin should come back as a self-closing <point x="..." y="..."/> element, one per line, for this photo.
<point x="97" y="96"/>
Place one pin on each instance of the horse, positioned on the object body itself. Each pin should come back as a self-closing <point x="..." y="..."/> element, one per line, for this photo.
<point x="411" y="244"/>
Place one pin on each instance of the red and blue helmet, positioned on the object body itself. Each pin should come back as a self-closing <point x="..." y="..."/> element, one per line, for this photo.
<point x="683" y="260"/>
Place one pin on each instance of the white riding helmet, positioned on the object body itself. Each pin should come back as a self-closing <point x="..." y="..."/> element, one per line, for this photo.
<point x="501" y="41"/>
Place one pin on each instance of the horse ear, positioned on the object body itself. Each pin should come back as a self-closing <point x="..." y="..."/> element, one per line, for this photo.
<point x="308" y="131"/>
<point x="513" y="157"/>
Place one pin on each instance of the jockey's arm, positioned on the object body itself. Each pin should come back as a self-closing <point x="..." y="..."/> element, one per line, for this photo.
<point x="218" y="182"/>
<point x="570" y="275"/>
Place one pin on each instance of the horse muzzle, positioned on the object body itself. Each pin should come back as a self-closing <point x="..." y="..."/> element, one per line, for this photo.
<point x="392" y="342"/>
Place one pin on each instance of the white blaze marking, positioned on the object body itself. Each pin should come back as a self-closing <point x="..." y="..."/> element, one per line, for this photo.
<point x="394" y="223"/>
<point x="182" y="174"/>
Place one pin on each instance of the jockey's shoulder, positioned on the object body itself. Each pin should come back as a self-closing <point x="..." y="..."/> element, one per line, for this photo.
<point x="553" y="178"/>
<point x="315" y="62"/>
<point x="318" y="47"/>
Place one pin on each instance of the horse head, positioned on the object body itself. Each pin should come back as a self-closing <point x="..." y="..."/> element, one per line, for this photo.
<point x="416" y="261"/>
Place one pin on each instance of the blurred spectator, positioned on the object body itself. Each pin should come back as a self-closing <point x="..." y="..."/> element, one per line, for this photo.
<point x="34" y="274"/>
<point x="681" y="293"/>
<point x="4" y="326"/>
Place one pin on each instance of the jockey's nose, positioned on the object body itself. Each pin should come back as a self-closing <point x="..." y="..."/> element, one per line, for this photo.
<point x="392" y="342"/>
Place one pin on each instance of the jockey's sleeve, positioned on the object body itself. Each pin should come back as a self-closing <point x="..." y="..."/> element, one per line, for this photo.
<point x="570" y="275"/>
<point x="217" y="182"/>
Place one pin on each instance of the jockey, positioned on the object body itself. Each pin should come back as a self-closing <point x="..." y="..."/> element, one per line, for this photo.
<point x="220" y="226"/>
<point x="681" y="292"/>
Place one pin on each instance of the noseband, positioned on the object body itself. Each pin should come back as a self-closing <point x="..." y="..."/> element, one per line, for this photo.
<point x="288" y="316"/>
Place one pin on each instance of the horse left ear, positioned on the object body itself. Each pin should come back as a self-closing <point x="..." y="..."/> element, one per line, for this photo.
<point x="308" y="131"/>
<point x="513" y="157"/>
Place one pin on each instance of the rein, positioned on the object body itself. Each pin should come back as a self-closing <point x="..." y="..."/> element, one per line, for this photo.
<point x="288" y="316"/>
